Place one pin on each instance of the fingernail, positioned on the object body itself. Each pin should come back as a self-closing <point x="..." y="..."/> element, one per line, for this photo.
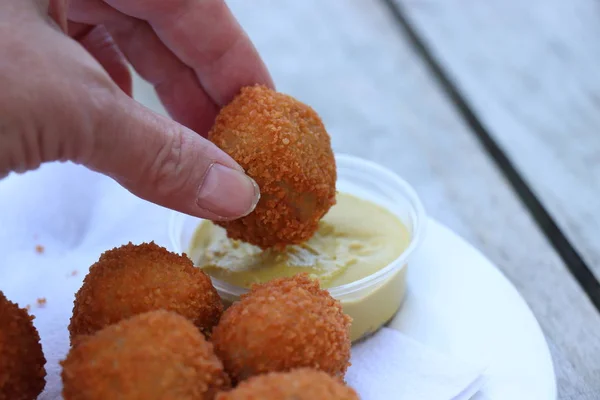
<point x="227" y="192"/>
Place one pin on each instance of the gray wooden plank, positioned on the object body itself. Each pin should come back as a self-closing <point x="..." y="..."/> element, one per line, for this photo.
<point x="529" y="69"/>
<point x="351" y="63"/>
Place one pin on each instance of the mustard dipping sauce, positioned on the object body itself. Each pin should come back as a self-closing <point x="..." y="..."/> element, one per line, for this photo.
<point x="355" y="239"/>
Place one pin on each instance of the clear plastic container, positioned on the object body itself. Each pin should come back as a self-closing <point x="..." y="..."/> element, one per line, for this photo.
<point x="375" y="299"/>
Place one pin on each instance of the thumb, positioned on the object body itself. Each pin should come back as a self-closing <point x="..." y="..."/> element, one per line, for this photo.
<point x="162" y="161"/>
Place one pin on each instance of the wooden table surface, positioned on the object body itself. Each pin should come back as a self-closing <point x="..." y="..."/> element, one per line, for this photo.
<point x="490" y="109"/>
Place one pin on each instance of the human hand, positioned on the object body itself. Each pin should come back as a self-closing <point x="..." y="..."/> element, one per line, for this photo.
<point x="65" y="96"/>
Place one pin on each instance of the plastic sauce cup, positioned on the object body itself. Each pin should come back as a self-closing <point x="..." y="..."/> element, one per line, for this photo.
<point x="373" y="300"/>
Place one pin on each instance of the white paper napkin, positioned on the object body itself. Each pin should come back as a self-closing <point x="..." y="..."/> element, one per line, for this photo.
<point x="390" y="365"/>
<point x="75" y="214"/>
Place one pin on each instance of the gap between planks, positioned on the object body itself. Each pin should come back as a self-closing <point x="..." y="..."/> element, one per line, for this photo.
<point x="575" y="263"/>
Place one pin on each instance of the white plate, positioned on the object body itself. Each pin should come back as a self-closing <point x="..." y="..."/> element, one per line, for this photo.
<point x="460" y="304"/>
<point x="457" y="301"/>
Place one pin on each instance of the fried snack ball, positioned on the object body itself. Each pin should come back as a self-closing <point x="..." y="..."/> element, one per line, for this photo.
<point x="133" y="279"/>
<point x="22" y="372"/>
<point x="155" y="355"/>
<point x="299" y="384"/>
<point x="281" y="325"/>
<point x="282" y="144"/>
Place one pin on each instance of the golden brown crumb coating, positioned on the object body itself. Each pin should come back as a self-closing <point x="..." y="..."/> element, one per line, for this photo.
<point x="299" y="384"/>
<point x="133" y="279"/>
<point x="155" y="355"/>
<point x="282" y="144"/>
<point x="22" y="372"/>
<point x="284" y="324"/>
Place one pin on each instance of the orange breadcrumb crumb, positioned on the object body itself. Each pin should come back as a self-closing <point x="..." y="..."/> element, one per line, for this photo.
<point x="282" y="144"/>
<point x="155" y="355"/>
<point x="41" y="301"/>
<point x="39" y="249"/>
<point x="299" y="384"/>
<point x="284" y="324"/>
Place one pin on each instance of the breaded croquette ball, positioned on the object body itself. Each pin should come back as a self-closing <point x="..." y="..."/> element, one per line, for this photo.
<point x="283" y="324"/>
<point x="299" y="384"/>
<point x="133" y="279"/>
<point x="282" y="144"/>
<point x="22" y="372"/>
<point x="152" y="356"/>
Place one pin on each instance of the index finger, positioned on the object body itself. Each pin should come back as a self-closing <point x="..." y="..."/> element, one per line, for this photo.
<point x="205" y="35"/>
